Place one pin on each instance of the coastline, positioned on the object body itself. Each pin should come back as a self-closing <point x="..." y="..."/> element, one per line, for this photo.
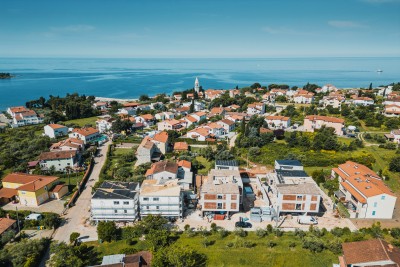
<point x="99" y="98"/>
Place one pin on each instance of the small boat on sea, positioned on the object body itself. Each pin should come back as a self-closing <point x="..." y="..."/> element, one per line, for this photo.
<point x="379" y="70"/>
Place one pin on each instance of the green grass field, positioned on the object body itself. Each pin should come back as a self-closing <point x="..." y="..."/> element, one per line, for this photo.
<point x="83" y="122"/>
<point x="117" y="162"/>
<point x="219" y="254"/>
<point x="207" y="165"/>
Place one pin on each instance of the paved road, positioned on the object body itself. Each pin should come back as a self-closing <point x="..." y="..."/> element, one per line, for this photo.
<point x="76" y="217"/>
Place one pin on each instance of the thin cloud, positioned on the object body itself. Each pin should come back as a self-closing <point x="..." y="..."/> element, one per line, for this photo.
<point x="346" y="24"/>
<point x="73" y="28"/>
<point x="283" y="30"/>
<point x="380" y="1"/>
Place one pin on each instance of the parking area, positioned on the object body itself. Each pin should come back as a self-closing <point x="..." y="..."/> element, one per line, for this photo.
<point x="54" y="205"/>
<point x="38" y="234"/>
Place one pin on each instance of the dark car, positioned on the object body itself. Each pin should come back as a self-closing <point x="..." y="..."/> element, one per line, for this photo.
<point x="243" y="224"/>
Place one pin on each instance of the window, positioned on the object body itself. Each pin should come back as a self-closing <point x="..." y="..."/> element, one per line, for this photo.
<point x="157" y="207"/>
<point x="125" y="211"/>
<point x="219" y="197"/>
<point x="116" y="202"/>
<point x="382" y="197"/>
<point x="156" y="199"/>
<point x="145" y="199"/>
<point x="375" y="204"/>
<point x="299" y="197"/>
<point x="147" y="207"/>
<point x="126" y="202"/>
<point x="373" y="213"/>
<point x="219" y="205"/>
<point x="115" y="211"/>
<point x="298" y="206"/>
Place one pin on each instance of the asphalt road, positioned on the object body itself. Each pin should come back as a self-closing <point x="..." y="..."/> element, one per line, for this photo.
<point x="76" y="217"/>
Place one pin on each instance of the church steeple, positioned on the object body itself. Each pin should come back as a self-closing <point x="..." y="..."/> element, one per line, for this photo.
<point x="197" y="85"/>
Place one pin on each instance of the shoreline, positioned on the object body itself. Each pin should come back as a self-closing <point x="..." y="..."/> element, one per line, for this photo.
<point x="100" y="98"/>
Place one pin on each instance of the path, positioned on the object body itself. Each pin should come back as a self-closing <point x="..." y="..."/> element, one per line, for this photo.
<point x="76" y="217"/>
<point x="232" y="140"/>
<point x="360" y="136"/>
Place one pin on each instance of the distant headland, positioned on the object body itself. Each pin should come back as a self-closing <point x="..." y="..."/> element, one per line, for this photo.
<point x="4" y="75"/>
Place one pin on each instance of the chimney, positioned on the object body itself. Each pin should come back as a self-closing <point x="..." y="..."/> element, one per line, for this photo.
<point x="8" y="216"/>
<point x="390" y="248"/>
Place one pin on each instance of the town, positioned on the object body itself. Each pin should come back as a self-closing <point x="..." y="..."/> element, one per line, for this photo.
<point x="176" y="180"/>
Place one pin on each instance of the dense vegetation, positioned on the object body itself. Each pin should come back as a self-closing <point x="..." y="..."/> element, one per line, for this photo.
<point x="5" y="75"/>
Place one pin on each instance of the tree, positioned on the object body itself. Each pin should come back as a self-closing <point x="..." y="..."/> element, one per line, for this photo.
<point x="123" y="173"/>
<point x="144" y="98"/>
<point x="318" y="176"/>
<point x="65" y="256"/>
<point x="107" y="231"/>
<point x="191" y="108"/>
<point x="74" y="237"/>
<point x="51" y="220"/>
<point x="158" y="238"/>
<point x="394" y="164"/>
<point x="179" y="257"/>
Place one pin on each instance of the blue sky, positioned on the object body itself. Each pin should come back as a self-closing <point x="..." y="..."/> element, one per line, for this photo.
<point x="207" y="28"/>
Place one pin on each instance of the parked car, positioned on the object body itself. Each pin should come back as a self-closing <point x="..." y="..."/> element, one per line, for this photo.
<point x="307" y="220"/>
<point x="242" y="224"/>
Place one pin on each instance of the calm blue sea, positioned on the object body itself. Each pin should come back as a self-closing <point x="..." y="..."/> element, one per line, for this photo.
<point x="129" y="78"/>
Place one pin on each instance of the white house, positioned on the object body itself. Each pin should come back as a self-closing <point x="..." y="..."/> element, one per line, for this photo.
<point x="303" y="97"/>
<point x="333" y="101"/>
<point x="146" y="119"/>
<point x="87" y="135"/>
<point x="161" y="198"/>
<point x="394" y="136"/>
<point x="363" y="192"/>
<point x="22" y="116"/>
<point x="215" y="129"/>
<point x="200" y="134"/>
<point x="170" y="124"/>
<point x="60" y="160"/>
<point x="105" y="124"/>
<point x="130" y="111"/>
<point x="197" y="105"/>
<point x="163" y="170"/>
<point x="228" y="125"/>
<point x="256" y="108"/>
<point x="200" y="115"/>
<point x="315" y="122"/>
<point x="278" y="122"/>
<point x="362" y="101"/>
<point x="55" y="130"/>
<point x="68" y="144"/>
<point x="115" y="201"/>
<point x="392" y="110"/>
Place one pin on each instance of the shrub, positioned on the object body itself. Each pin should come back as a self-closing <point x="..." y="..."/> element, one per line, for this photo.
<point x="269" y="228"/>
<point x="187" y="227"/>
<point x="222" y="233"/>
<point x="248" y="244"/>
<point x="337" y="231"/>
<point x="240" y="232"/>
<point x="271" y="244"/>
<point x="313" y="244"/>
<point x="261" y="232"/>
<point x="229" y="244"/>
<point x="335" y="246"/>
<point x="214" y="227"/>
<point x="292" y="245"/>
<point x="395" y="232"/>
<point x="299" y="233"/>
<point x="278" y="232"/>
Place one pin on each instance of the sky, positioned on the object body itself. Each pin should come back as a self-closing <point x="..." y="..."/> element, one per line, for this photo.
<point x="204" y="28"/>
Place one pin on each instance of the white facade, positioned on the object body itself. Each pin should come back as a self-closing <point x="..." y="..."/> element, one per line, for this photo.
<point x="60" y="165"/>
<point x="104" y="125"/>
<point x="55" y="130"/>
<point x="278" y="122"/>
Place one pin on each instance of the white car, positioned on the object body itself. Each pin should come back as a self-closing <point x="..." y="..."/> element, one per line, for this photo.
<point x="307" y="220"/>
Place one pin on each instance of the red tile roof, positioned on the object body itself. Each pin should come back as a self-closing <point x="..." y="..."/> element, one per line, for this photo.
<point x="324" y="118"/>
<point x="161" y="137"/>
<point x="8" y="192"/>
<point x="5" y="224"/>
<point x="86" y="131"/>
<point x="57" y="155"/>
<point x="56" y="126"/>
<point x="181" y="146"/>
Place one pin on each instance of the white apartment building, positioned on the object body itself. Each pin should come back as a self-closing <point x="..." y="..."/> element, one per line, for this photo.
<point x="278" y="122"/>
<point x="55" y="130"/>
<point x="87" y="135"/>
<point x="60" y="160"/>
<point x="363" y="192"/>
<point x="115" y="201"/>
<point x="22" y="116"/>
<point x="161" y="198"/>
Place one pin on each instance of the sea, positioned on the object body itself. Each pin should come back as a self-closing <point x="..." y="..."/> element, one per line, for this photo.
<point x="127" y="78"/>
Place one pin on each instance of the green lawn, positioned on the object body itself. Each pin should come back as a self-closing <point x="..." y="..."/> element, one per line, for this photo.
<point x="83" y="122"/>
<point x="219" y="254"/>
<point x="207" y="165"/>
<point x="117" y="162"/>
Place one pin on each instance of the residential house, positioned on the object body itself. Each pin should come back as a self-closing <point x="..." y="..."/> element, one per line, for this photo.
<point x="392" y="110"/>
<point x="234" y="92"/>
<point x="228" y="125"/>
<point x="256" y="108"/>
<point x="181" y="147"/>
<point x="163" y="170"/>
<point x="104" y="125"/>
<point x="369" y="253"/>
<point x="333" y="101"/>
<point x="147" y="151"/>
<point x="303" y="97"/>
<point x="161" y="140"/>
<point x="183" y="111"/>
<point x="139" y="259"/>
<point x="163" y="198"/>
<point x="395" y="100"/>
<point x="363" y="192"/>
<point x="200" y="134"/>
<point x="22" y="116"/>
<point x="59" y="160"/>
<point x="221" y="192"/>
<point x="200" y="115"/>
<point x="362" y="101"/>
<point x="214" y="129"/>
<point x="87" y="135"/>
<point x="115" y="201"/>
<point x="278" y="122"/>
<point x="293" y="190"/>
<point x="146" y="119"/>
<point x="212" y="94"/>
<point x="100" y="105"/>
<point x="313" y="122"/>
<point x="170" y="124"/>
<point x="32" y="190"/>
<point x="185" y="174"/>
<point x="68" y="145"/>
<point x="7" y="224"/>
<point x="217" y="111"/>
<point x="394" y="136"/>
<point x="226" y="165"/>
<point x="328" y="88"/>
<point x="197" y="105"/>
<point x="189" y="120"/>
<point x="55" y="130"/>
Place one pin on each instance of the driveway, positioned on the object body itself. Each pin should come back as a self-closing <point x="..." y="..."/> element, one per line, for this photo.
<point x="54" y="205"/>
<point x="77" y="217"/>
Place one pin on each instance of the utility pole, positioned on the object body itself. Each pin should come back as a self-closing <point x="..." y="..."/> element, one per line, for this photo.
<point x="19" y="229"/>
